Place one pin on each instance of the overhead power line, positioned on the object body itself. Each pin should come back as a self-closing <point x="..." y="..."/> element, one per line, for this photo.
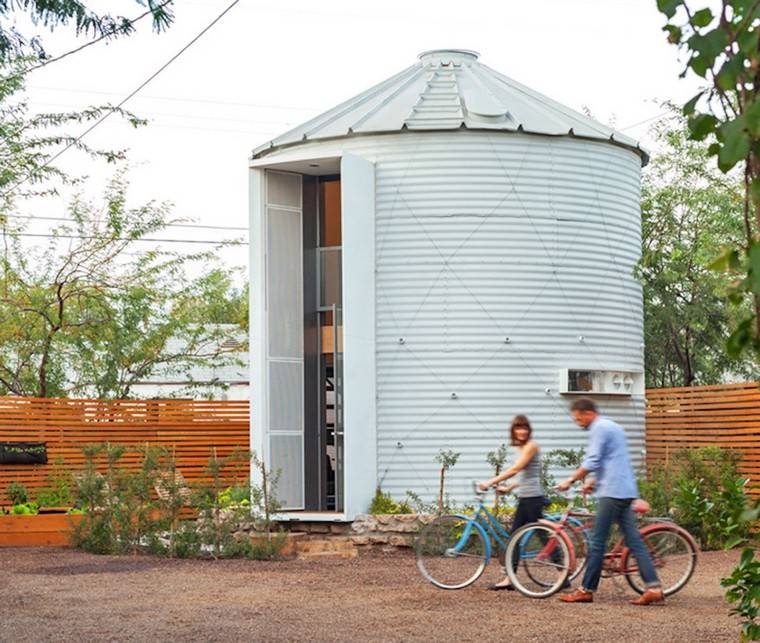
<point x="203" y="117"/>
<point x="232" y="242"/>
<point x="114" y="32"/>
<point x="646" y="120"/>
<point x="178" y="99"/>
<point x="130" y="95"/>
<point x="168" y="225"/>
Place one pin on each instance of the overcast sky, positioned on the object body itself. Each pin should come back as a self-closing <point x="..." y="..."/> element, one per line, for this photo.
<point x="269" y="65"/>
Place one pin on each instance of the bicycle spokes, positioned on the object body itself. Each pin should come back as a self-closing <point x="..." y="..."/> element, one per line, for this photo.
<point x="451" y="552"/>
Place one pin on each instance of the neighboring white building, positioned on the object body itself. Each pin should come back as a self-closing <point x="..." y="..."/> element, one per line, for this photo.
<point x="226" y="382"/>
<point x="428" y="259"/>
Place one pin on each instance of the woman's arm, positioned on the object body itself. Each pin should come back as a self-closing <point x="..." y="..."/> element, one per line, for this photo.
<point x="526" y="455"/>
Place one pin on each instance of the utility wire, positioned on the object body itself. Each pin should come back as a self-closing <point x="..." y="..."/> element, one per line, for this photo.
<point x="177" y="99"/>
<point x="168" y="225"/>
<point x="646" y="120"/>
<point x="130" y="95"/>
<point x="115" y="31"/>
<point x="203" y="117"/>
<point x="99" y="238"/>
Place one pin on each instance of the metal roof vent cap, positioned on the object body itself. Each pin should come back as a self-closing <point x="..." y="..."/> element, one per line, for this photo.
<point x="448" y="56"/>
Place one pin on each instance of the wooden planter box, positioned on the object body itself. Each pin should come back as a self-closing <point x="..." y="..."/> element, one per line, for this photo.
<point x="42" y="530"/>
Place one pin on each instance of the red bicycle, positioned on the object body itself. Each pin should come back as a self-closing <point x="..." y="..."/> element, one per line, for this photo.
<point x="673" y="550"/>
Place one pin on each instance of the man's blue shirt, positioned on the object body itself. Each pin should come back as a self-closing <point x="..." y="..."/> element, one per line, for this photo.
<point x="607" y="457"/>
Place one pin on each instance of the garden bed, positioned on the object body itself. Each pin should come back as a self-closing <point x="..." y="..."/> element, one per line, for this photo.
<point x="37" y="530"/>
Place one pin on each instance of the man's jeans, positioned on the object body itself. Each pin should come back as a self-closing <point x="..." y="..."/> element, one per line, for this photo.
<point x="616" y="510"/>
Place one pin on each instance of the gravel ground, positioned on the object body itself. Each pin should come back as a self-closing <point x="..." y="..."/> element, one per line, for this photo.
<point x="65" y="595"/>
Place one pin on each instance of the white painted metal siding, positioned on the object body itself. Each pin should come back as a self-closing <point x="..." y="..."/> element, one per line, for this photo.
<point x="482" y="237"/>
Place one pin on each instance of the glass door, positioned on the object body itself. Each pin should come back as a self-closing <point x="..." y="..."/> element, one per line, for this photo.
<point x="329" y="283"/>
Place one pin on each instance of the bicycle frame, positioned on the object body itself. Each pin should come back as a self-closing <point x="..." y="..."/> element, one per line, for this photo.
<point x="612" y="564"/>
<point x="488" y="524"/>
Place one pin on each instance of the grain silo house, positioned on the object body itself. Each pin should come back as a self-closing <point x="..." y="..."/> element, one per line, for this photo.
<point x="439" y="253"/>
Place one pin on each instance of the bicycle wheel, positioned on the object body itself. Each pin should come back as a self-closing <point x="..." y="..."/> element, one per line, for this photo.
<point x="538" y="560"/>
<point x="578" y="535"/>
<point x="451" y="552"/>
<point x="673" y="554"/>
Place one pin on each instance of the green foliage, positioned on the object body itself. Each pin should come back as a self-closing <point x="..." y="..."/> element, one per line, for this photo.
<point x="447" y="459"/>
<point x="690" y="213"/>
<point x="743" y="585"/>
<point x="58" y="491"/>
<point x="90" y="312"/>
<point x="24" y="509"/>
<point x="703" y="492"/>
<point x="565" y="459"/>
<point x="119" y="507"/>
<point x="417" y="505"/>
<point x="382" y="503"/>
<point x="498" y="458"/>
<point x="75" y="14"/>
<point x="17" y="493"/>
<point x="130" y="510"/>
<point x="722" y="48"/>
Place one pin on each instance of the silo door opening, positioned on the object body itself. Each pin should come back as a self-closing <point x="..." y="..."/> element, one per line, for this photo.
<point x="323" y="342"/>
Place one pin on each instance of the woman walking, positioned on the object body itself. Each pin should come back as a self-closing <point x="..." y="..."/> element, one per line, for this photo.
<point x="530" y="506"/>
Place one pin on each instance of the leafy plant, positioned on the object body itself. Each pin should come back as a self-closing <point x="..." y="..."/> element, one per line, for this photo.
<point x="24" y="509"/>
<point x="382" y="503"/>
<point x="497" y="459"/>
<point x="744" y="584"/>
<point x="564" y="458"/>
<point x="17" y="493"/>
<point x="690" y="212"/>
<point x="720" y="45"/>
<point x="702" y="490"/>
<point x="77" y="15"/>
<point x="447" y="459"/>
<point x="58" y="492"/>
<point x="118" y="505"/>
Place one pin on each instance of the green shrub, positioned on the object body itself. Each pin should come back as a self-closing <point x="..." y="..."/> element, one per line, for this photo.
<point x="565" y="458"/>
<point x="186" y="542"/>
<point x="58" y="492"/>
<point x="122" y="512"/>
<point x="702" y="491"/>
<point x="24" y="509"/>
<point x="743" y="585"/>
<point x="382" y="503"/>
<point x="17" y="493"/>
<point x="118" y="505"/>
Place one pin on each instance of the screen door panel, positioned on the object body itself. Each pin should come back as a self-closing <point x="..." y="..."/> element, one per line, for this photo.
<point x="284" y="287"/>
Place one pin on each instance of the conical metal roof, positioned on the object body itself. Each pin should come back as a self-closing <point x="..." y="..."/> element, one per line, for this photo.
<point x="449" y="89"/>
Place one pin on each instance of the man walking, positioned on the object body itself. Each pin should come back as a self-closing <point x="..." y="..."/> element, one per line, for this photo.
<point x="616" y="489"/>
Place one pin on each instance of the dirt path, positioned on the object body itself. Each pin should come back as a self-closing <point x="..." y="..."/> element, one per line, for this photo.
<point x="64" y="595"/>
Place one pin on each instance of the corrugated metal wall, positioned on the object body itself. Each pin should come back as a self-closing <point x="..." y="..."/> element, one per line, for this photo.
<point x="483" y="237"/>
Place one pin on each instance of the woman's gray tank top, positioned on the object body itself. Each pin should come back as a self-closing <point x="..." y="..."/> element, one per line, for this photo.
<point x="529" y="479"/>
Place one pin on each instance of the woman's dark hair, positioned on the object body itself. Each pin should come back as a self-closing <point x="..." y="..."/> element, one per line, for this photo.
<point x="519" y="422"/>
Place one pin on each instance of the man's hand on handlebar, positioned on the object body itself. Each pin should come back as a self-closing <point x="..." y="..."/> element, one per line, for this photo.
<point x="588" y="486"/>
<point x="565" y="485"/>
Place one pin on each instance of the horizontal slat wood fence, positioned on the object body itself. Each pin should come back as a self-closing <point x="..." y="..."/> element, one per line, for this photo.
<point x="190" y="428"/>
<point x="727" y="415"/>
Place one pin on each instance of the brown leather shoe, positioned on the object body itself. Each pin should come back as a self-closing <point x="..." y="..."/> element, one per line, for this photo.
<point x="653" y="595"/>
<point x="578" y="596"/>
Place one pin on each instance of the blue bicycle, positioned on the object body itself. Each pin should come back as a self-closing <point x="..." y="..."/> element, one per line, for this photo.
<point x="454" y="549"/>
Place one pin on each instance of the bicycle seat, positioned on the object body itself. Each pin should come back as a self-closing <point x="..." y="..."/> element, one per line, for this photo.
<point x="640" y="506"/>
